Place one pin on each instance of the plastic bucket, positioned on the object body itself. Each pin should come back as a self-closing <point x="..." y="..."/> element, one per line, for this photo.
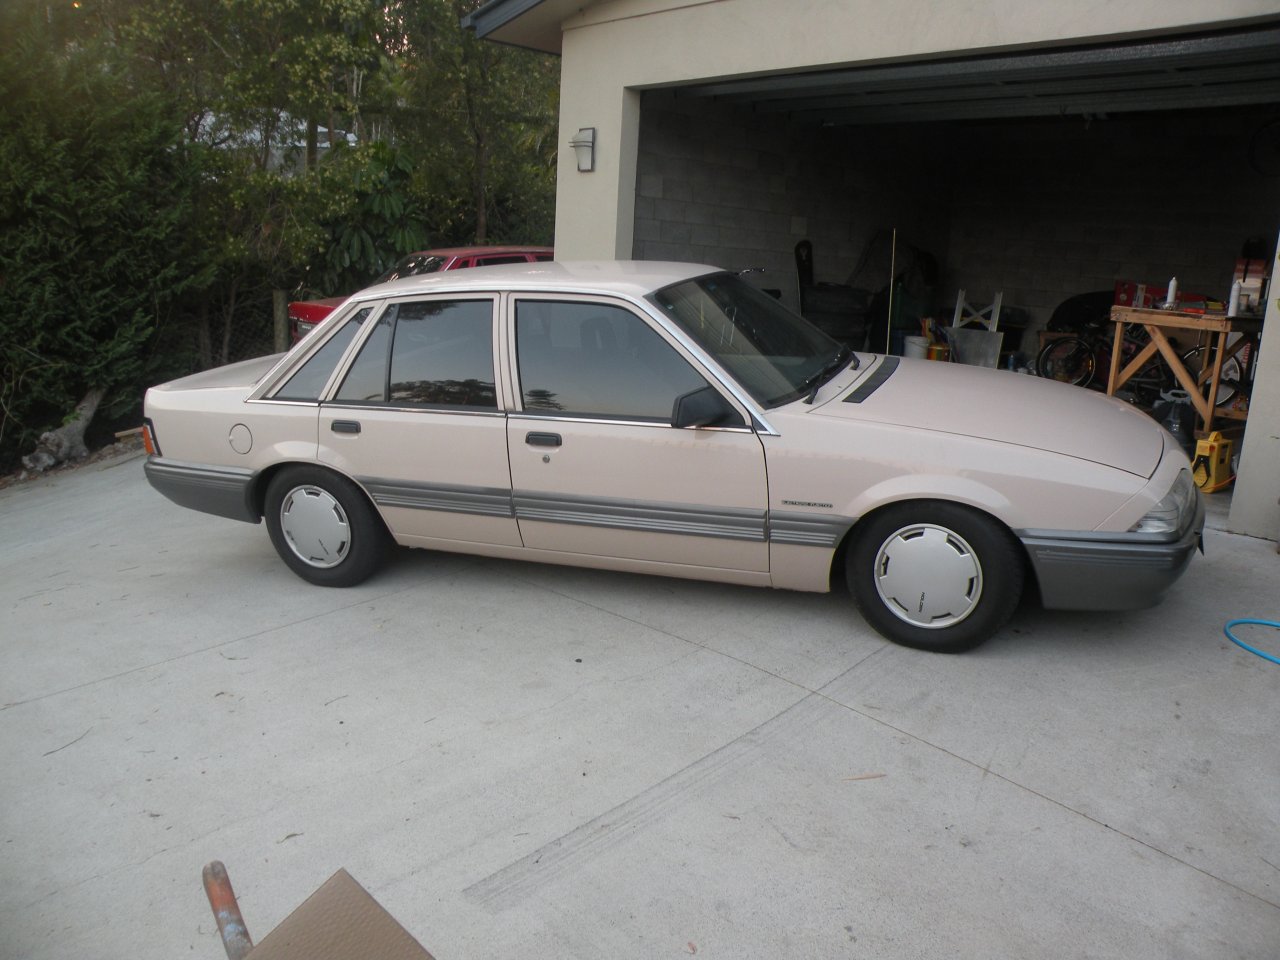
<point x="915" y="347"/>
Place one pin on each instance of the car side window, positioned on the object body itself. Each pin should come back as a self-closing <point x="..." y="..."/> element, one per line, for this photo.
<point x="427" y="353"/>
<point x="500" y="258"/>
<point x="442" y="354"/>
<point x="591" y="359"/>
<point x="309" y="379"/>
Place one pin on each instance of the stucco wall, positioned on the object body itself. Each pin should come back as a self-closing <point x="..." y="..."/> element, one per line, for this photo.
<point x="1255" y="504"/>
<point x="613" y="49"/>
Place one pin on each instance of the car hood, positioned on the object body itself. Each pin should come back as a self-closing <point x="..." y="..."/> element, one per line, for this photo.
<point x="1006" y="408"/>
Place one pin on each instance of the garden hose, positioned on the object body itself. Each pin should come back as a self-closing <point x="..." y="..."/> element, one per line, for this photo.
<point x="1240" y="643"/>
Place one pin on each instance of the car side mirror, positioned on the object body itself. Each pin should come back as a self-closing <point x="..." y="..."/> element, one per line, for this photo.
<point x="704" y="407"/>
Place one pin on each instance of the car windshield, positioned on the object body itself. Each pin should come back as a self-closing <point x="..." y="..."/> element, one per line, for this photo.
<point x="412" y="266"/>
<point x="776" y="355"/>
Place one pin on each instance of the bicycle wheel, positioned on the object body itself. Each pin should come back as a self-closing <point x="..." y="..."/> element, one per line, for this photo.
<point x="1067" y="360"/>
<point x="1229" y="381"/>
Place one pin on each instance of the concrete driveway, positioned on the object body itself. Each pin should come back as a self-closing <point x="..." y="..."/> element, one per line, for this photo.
<point x="540" y="762"/>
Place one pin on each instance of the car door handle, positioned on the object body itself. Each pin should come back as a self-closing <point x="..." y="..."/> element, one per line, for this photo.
<point x="542" y="439"/>
<point x="345" y="426"/>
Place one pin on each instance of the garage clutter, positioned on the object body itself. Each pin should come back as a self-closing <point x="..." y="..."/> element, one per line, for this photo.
<point x="1185" y="357"/>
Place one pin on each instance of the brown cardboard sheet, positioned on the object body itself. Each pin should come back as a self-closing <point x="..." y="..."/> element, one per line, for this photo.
<point x="340" y="921"/>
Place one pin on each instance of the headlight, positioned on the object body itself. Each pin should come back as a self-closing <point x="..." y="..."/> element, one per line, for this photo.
<point x="1169" y="515"/>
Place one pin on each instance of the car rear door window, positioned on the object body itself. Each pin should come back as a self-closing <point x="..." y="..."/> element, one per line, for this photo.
<point x="501" y="258"/>
<point x="308" y="382"/>
<point x="597" y="360"/>
<point x="427" y="353"/>
<point x="442" y="354"/>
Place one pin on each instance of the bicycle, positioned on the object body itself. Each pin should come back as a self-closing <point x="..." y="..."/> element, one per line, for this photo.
<point x="1084" y="359"/>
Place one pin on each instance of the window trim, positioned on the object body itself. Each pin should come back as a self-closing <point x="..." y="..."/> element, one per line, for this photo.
<point x="283" y="372"/>
<point x="685" y="348"/>
<point x="329" y="398"/>
<point x="578" y="415"/>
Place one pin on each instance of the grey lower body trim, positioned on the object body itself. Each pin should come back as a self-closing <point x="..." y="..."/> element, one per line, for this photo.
<point x="483" y="501"/>
<point x="1086" y="572"/>
<point x="222" y="491"/>
<point x="700" y="521"/>
<point x="807" y="530"/>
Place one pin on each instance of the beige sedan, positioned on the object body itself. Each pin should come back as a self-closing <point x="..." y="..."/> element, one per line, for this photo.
<point x="670" y="419"/>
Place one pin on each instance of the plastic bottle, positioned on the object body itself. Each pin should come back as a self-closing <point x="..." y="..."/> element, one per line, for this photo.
<point x="1171" y="299"/>
<point x="1233" y="305"/>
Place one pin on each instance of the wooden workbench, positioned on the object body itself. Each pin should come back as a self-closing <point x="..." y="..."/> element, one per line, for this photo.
<point x="1212" y="329"/>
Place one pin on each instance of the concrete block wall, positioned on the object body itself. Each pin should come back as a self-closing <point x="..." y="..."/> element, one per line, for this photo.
<point x="722" y="186"/>
<point x="1041" y="209"/>
<point x="1044" y="209"/>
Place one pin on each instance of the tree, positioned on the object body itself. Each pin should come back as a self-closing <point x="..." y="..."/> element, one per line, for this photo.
<point x="95" y="187"/>
<point x="479" y="115"/>
<point x="173" y="168"/>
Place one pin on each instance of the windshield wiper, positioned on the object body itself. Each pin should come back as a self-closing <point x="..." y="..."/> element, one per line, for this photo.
<point x="836" y="364"/>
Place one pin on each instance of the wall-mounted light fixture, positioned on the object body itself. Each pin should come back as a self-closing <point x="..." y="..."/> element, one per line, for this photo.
<point x="584" y="146"/>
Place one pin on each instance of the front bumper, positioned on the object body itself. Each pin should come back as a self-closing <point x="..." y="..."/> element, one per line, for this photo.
<point x="1109" y="571"/>
<point x="222" y="491"/>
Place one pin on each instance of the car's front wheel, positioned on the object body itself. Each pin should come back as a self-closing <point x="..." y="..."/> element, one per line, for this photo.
<point x="324" y="527"/>
<point x="934" y="575"/>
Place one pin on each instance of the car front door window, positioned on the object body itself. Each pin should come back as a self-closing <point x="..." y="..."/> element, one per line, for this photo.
<point x="597" y="360"/>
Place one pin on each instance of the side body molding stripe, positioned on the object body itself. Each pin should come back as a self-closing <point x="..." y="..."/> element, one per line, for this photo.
<point x="807" y="530"/>
<point x="224" y="491"/>
<point x="699" y="521"/>
<point x="484" y="501"/>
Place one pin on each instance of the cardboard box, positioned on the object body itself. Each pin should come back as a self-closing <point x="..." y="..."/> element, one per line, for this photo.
<point x="340" y="921"/>
<point x="1252" y="275"/>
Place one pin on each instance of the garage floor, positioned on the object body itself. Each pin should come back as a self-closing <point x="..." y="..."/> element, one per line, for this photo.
<point x="526" y="761"/>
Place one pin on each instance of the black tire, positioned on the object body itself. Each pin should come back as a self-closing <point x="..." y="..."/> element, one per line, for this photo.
<point x="1067" y="360"/>
<point x="975" y="563"/>
<point x="324" y="527"/>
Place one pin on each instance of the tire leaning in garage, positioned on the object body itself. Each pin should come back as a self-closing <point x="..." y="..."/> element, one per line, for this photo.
<point x="324" y="527"/>
<point x="934" y="575"/>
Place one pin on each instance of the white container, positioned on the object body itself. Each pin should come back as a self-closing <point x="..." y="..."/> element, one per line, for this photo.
<point x="915" y="347"/>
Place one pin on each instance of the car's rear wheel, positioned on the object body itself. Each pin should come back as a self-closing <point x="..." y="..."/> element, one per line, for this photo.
<point x="934" y="575"/>
<point x="324" y="527"/>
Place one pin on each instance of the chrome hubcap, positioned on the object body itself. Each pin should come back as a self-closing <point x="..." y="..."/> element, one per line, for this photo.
<point x="315" y="527"/>
<point x="928" y="576"/>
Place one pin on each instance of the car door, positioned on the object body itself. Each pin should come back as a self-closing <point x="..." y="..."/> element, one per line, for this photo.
<point x="415" y="419"/>
<point x="597" y="468"/>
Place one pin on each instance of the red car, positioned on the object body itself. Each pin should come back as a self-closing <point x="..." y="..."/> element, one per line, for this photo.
<point x="304" y="315"/>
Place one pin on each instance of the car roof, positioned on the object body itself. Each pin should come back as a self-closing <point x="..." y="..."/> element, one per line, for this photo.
<point x="479" y="250"/>
<point x="633" y="278"/>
